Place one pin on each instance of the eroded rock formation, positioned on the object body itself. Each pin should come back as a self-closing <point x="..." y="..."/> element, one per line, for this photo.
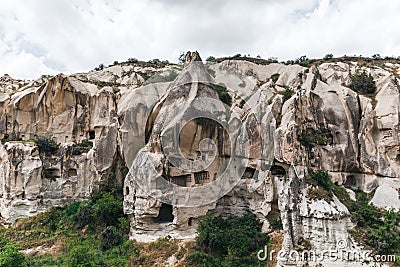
<point x="294" y="119"/>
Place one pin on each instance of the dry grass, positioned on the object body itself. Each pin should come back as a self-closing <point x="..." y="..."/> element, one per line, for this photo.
<point x="276" y="238"/>
<point x="157" y="253"/>
<point x="319" y="193"/>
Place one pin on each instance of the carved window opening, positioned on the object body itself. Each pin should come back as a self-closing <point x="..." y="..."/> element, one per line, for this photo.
<point x="52" y="173"/>
<point x="165" y="214"/>
<point x="248" y="173"/>
<point x="181" y="180"/>
<point x="277" y="170"/>
<point x="127" y="190"/>
<point x="72" y="172"/>
<point x="201" y="177"/>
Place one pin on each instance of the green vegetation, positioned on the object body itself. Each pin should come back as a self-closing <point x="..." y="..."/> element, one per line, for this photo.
<point x="102" y="84"/>
<point x="132" y="60"/>
<point x="276" y="224"/>
<point x="275" y="77"/>
<point x="46" y="145"/>
<point x="11" y="137"/>
<point x="310" y="138"/>
<point x="322" y="185"/>
<point x="287" y="94"/>
<point x="363" y="83"/>
<point x="83" y="147"/>
<point x="10" y="254"/>
<point x="163" y="77"/>
<point x="380" y="229"/>
<point x="228" y="241"/>
<point x="89" y="233"/>
<point x="302" y="61"/>
<point x="223" y="94"/>
<point x="210" y="59"/>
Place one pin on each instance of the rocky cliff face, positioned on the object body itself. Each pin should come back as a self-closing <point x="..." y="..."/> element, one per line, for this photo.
<point x="147" y="129"/>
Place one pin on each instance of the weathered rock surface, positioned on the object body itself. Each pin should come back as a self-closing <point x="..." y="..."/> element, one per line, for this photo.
<point x="130" y="111"/>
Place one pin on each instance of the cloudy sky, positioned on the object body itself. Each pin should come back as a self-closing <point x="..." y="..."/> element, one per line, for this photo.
<point x="51" y="36"/>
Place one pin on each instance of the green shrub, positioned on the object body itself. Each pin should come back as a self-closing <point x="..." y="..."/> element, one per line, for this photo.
<point x="198" y="258"/>
<point x="47" y="145"/>
<point x="108" y="209"/>
<point x="83" y="147"/>
<point x="363" y="83"/>
<point x="85" y="215"/>
<point x="366" y="215"/>
<point x="235" y="236"/>
<point x="82" y="256"/>
<point x="276" y="224"/>
<point x="10" y="254"/>
<point x="275" y="77"/>
<point x="385" y="237"/>
<point x="223" y="94"/>
<point x="210" y="59"/>
<point x="287" y="94"/>
<point x="322" y="178"/>
<point x="100" y="212"/>
<point x="110" y="237"/>
<point x="310" y="138"/>
<point x="328" y="56"/>
<point x="12" y="137"/>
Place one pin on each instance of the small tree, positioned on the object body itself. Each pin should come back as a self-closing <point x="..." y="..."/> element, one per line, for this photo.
<point x="287" y="94"/>
<point x="210" y="59"/>
<point x="46" y="145"/>
<point x="376" y="56"/>
<point x="132" y="60"/>
<point x="363" y="83"/>
<point x="182" y="57"/>
<point x="328" y="56"/>
<point x="223" y="94"/>
<point x="110" y="237"/>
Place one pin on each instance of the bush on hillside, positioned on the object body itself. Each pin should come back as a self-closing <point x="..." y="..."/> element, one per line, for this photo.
<point x="363" y="83"/>
<point x="233" y="238"/>
<point x="47" y="145"/>
<point x="223" y="94"/>
<point x="10" y="254"/>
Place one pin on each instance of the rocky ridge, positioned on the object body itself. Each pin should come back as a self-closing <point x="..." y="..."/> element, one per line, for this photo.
<point x="119" y="110"/>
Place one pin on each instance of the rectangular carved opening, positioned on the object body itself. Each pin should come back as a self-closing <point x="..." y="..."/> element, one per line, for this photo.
<point x="165" y="214"/>
<point x="52" y="173"/>
<point x="248" y="173"/>
<point x="72" y="172"/>
<point x="181" y="180"/>
<point x="201" y="177"/>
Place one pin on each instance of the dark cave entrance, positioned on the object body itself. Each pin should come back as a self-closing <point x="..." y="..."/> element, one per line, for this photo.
<point x="351" y="182"/>
<point x="165" y="214"/>
<point x="92" y="135"/>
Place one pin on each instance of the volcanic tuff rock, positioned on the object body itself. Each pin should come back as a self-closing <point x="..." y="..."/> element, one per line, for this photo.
<point x="122" y="110"/>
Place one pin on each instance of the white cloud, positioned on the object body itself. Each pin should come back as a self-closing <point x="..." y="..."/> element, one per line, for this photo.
<point x="46" y="36"/>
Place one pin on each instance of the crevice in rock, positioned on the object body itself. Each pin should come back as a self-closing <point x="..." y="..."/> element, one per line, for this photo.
<point x="151" y="119"/>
